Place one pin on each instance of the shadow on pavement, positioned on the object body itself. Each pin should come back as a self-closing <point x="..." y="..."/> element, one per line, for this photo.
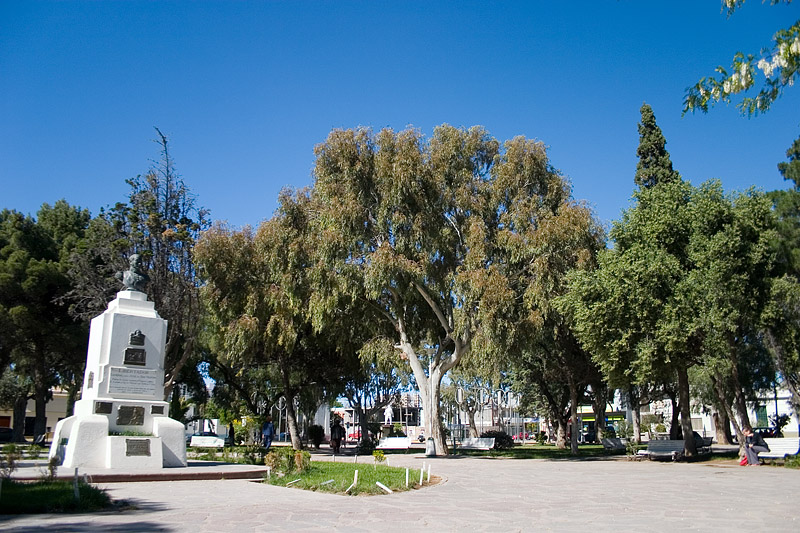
<point x="90" y="526"/>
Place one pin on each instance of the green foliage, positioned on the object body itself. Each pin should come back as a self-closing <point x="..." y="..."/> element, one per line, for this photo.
<point x="9" y="459"/>
<point x="50" y="497"/>
<point x="779" y="66"/>
<point x="654" y="164"/>
<point x="285" y="460"/>
<point x="397" y="430"/>
<point x="502" y="440"/>
<point x="378" y="456"/>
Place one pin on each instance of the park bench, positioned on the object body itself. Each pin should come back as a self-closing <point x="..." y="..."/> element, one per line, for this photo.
<point x="664" y="449"/>
<point x="394" y="443"/>
<point x="673" y="449"/>
<point x="474" y="443"/>
<point x="780" y="448"/>
<point x="612" y="443"/>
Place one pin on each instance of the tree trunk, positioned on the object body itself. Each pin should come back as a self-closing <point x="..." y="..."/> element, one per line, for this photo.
<point x="20" y="406"/>
<point x="573" y="410"/>
<point x="291" y="415"/>
<point x="40" y="425"/>
<point x="599" y="408"/>
<point x="722" y="427"/>
<point x="675" y="422"/>
<point x="473" y="427"/>
<point x="561" y="433"/>
<point x="435" y="383"/>
<point x="741" y="409"/>
<point x="686" y="415"/>
<point x="728" y="411"/>
<point x="637" y="422"/>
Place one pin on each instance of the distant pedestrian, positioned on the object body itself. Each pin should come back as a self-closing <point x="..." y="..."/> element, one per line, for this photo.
<point x="268" y="433"/>
<point x="232" y="434"/>
<point x="753" y="445"/>
<point x="337" y="435"/>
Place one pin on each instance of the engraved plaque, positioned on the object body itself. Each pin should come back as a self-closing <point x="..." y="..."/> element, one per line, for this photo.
<point x="137" y="447"/>
<point x="128" y="415"/>
<point x="135" y="356"/>
<point x="90" y="380"/>
<point x="137" y="381"/>
<point x="156" y="409"/>
<point x="136" y="338"/>
<point x="103" y="408"/>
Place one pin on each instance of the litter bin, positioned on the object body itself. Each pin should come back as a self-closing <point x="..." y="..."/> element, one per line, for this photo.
<point x="430" y="448"/>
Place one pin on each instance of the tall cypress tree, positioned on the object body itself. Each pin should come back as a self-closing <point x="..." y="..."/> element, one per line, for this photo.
<point x="654" y="165"/>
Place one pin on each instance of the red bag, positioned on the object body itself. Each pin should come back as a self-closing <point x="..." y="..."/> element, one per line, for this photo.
<point x="743" y="462"/>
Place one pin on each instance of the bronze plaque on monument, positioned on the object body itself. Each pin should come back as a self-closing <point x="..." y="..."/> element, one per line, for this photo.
<point x="156" y="409"/>
<point x="128" y="415"/>
<point x="103" y="408"/>
<point x="135" y="356"/>
<point x="137" y="447"/>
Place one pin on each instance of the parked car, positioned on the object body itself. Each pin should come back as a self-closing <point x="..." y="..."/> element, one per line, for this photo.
<point x="6" y="434"/>
<point x="354" y="435"/>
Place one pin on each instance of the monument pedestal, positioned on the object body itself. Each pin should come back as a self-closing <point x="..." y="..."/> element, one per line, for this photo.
<point x="121" y="419"/>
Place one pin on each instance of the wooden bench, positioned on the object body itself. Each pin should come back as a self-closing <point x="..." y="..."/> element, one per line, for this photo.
<point x="780" y="448"/>
<point x="474" y="443"/>
<point x="394" y="443"/>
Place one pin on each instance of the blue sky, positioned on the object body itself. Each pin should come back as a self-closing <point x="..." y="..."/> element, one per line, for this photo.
<point x="245" y="90"/>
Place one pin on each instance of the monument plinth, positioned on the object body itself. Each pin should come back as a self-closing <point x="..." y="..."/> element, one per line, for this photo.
<point x="121" y="419"/>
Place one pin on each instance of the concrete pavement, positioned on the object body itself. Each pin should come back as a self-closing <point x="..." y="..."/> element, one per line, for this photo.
<point x="477" y="494"/>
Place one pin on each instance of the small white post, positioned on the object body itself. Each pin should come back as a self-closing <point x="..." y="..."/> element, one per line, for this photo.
<point x="269" y="473"/>
<point x="355" y="480"/>
<point x="406" y="477"/>
<point x="421" y="472"/>
<point x="384" y="487"/>
<point x="293" y="482"/>
<point x="429" y="472"/>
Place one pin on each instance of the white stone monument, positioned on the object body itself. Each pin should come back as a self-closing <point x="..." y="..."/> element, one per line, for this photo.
<point x="121" y="420"/>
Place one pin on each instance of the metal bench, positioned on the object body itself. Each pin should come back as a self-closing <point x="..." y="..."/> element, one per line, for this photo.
<point x="780" y="448"/>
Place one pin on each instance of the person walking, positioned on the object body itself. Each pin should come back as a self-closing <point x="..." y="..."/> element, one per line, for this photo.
<point x="268" y="433"/>
<point x="337" y="434"/>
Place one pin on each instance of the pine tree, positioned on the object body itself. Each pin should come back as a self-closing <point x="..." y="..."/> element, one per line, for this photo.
<point x="654" y="165"/>
<point x="790" y="170"/>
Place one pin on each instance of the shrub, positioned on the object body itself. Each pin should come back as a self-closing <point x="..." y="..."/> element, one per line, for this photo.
<point x="502" y="440"/>
<point x="285" y="460"/>
<point x="316" y="433"/>
<point x="365" y="446"/>
<point x="9" y="458"/>
<point x="541" y="438"/>
<point x="397" y="430"/>
<point x="379" y="456"/>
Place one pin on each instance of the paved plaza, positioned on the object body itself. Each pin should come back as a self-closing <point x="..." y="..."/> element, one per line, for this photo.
<point x="476" y="494"/>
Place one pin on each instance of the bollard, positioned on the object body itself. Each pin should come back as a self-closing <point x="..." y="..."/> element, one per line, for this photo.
<point x="429" y="472"/>
<point x="430" y="448"/>
<point x="406" y="477"/>
<point x="75" y="486"/>
<point x="384" y="487"/>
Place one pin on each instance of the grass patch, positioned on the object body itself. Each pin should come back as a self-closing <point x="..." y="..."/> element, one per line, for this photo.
<point x="50" y="497"/>
<point x="544" y="451"/>
<point x="319" y="472"/>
